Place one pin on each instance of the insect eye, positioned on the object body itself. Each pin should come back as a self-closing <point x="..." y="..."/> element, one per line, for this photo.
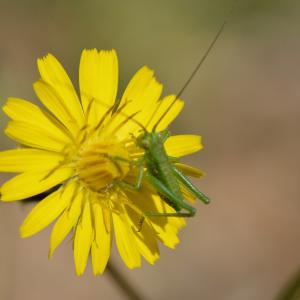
<point x="146" y="143"/>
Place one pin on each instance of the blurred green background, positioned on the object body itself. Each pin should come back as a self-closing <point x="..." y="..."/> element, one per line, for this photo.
<point x="244" y="102"/>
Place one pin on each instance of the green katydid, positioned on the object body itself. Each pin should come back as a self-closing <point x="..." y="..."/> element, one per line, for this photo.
<point x="158" y="169"/>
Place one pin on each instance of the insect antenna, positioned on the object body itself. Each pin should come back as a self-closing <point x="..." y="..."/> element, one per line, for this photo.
<point x="119" y="111"/>
<point x="200" y="63"/>
<point x="130" y="117"/>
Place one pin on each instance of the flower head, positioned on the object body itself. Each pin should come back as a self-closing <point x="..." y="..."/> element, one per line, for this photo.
<point x="79" y="150"/>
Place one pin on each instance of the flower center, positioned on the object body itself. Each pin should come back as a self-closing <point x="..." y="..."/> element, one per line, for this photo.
<point x="101" y="164"/>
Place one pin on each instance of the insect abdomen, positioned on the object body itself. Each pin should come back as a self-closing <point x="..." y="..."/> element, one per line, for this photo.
<point x="163" y="169"/>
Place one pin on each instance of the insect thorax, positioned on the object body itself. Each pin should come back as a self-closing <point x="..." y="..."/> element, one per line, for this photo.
<point x="149" y="140"/>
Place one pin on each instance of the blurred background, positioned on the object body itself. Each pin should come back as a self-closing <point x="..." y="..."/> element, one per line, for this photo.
<point x="244" y="102"/>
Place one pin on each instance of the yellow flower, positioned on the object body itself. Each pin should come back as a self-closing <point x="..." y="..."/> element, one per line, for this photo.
<point x="66" y="151"/>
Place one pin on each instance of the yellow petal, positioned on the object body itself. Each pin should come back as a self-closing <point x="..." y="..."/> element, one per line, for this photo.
<point x="67" y="220"/>
<point x="181" y="145"/>
<point x="189" y="170"/>
<point x="148" y="248"/>
<point x="125" y="241"/>
<point x="23" y="111"/>
<point x="30" y="135"/>
<point x="32" y="183"/>
<point x="145" y="203"/>
<point x="98" y="80"/>
<point x="56" y="105"/>
<point x="24" y="160"/>
<point x="167" y="233"/>
<point x="147" y="243"/>
<point x="107" y="219"/>
<point x="142" y="90"/>
<point x="83" y="239"/>
<point x="166" y="228"/>
<point x="141" y="95"/>
<point x="54" y="75"/>
<point x="45" y="212"/>
<point x="167" y="236"/>
<point x="175" y="222"/>
<point x="101" y="245"/>
<point x="162" y="107"/>
<point x="153" y="202"/>
<point x="145" y="238"/>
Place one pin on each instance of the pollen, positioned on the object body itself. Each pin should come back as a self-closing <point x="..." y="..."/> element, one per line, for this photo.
<point x="100" y="164"/>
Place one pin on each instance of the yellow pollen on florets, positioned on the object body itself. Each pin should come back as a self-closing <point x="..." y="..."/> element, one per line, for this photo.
<point x="102" y="163"/>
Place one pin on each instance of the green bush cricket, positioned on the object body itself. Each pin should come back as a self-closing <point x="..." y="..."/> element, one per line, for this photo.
<point x="158" y="169"/>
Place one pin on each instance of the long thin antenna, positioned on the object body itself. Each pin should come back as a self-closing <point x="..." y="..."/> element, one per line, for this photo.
<point x="202" y="60"/>
<point x="193" y="73"/>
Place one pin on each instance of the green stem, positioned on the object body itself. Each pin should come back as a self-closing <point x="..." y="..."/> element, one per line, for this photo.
<point x="130" y="292"/>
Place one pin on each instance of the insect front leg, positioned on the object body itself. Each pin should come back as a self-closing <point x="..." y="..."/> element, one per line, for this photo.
<point x="137" y="185"/>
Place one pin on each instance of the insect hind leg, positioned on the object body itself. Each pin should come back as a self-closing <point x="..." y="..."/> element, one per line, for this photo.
<point x="178" y="214"/>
